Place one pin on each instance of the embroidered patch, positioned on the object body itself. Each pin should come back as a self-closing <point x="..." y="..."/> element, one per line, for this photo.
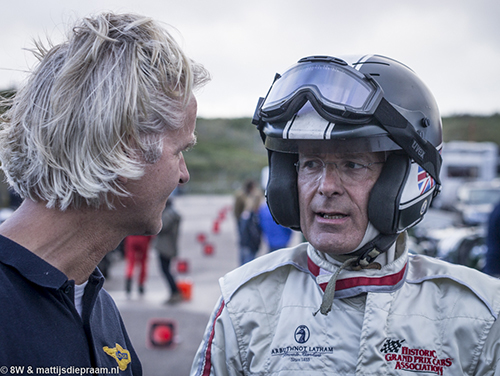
<point x="121" y="355"/>
<point x="413" y="359"/>
<point x="302" y="334"/>
<point x="301" y="352"/>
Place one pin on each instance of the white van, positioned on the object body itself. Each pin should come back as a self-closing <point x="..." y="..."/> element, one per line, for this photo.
<point x="465" y="162"/>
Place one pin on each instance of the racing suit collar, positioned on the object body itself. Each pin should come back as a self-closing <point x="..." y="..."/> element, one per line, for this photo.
<point x="351" y="283"/>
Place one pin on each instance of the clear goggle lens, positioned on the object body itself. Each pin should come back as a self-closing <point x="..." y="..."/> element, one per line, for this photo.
<point x="336" y="87"/>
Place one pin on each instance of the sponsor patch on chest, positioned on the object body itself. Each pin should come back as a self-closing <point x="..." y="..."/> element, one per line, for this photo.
<point x="301" y="350"/>
<point x="399" y="355"/>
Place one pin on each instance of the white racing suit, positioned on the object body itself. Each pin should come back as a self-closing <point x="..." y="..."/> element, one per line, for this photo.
<point x="417" y="315"/>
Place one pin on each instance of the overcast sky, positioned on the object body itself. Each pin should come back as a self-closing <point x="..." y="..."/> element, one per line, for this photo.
<point x="453" y="45"/>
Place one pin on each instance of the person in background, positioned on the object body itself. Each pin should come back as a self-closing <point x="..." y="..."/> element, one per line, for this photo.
<point x="136" y="254"/>
<point x="492" y="266"/>
<point x="167" y="244"/>
<point x="241" y="199"/>
<point x="93" y="143"/>
<point x="354" y="161"/>
<point x="276" y="236"/>
<point x="246" y="208"/>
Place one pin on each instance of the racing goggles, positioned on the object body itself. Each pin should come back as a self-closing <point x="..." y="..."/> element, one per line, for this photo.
<point x="336" y="91"/>
<point x="340" y="93"/>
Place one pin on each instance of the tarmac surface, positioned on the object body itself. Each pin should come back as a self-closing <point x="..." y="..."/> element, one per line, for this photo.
<point x="200" y="213"/>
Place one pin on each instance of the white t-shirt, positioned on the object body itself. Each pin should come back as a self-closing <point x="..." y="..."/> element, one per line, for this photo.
<point x="79" y="290"/>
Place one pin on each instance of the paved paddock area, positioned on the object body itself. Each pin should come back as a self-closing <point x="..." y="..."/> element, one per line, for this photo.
<point x="198" y="216"/>
<point x="199" y="213"/>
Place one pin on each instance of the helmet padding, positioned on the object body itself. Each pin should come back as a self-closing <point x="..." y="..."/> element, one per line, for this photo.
<point x="282" y="192"/>
<point x="385" y="196"/>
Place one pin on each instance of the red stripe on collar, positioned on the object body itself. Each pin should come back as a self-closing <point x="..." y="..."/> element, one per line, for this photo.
<point x="388" y="280"/>
<point x="313" y="268"/>
<point x="347" y="283"/>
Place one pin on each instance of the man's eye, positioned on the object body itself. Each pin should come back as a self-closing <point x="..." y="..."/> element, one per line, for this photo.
<point x="312" y="164"/>
<point x="353" y="165"/>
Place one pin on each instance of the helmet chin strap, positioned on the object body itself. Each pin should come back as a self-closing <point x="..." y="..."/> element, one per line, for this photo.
<point x="369" y="252"/>
<point x="373" y="244"/>
<point x="361" y="258"/>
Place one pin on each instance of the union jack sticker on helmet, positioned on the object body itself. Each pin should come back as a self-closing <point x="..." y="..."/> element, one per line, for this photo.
<point x="424" y="180"/>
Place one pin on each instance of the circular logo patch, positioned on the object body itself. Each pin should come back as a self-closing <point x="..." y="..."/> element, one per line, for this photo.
<point x="302" y="334"/>
<point x="423" y="208"/>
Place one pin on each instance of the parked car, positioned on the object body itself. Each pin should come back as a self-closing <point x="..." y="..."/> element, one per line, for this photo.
<point x="441" y="235"/>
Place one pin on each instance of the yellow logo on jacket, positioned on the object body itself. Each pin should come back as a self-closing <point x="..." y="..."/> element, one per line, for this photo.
<point x="121" y="355"/>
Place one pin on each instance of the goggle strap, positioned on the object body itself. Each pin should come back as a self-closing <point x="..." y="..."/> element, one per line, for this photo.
<point x="256" y="120"/>
<point x="257" y="117"/>
<point x="405" y="135"/>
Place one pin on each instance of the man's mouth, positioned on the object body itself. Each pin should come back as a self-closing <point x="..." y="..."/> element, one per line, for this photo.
<point x="332" y="216"/>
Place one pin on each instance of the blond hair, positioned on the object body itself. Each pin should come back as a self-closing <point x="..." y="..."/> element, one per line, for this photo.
<point x="92" y="103"/>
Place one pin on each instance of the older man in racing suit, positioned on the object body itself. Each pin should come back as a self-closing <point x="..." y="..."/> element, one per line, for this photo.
<point x="354" y="162"/>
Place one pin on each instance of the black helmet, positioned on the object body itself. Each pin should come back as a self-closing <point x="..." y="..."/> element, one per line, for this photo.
<point x="370" y="104"/>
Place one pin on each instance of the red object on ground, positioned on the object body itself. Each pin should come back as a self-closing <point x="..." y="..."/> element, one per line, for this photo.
<point x="208" y="249"/>
<point x="182" y="266"/>
<point x="216" y="228"/>
<point x="186" y="289"/>
<point x="222" y="214"/>
<point x="161" y="333"/>
<point x="201" y="237"/>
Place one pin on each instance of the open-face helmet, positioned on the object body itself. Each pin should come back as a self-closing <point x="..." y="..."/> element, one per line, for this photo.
<point x="367" y="104"/>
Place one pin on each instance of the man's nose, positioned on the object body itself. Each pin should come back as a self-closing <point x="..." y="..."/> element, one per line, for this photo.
<point x="330" y="181"/>
<point x="184" y="173"/>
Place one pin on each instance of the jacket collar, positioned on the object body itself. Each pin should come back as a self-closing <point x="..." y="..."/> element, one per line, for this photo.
<point x="29" y="265"/>
<point x="351" y="283"/>
<point x="34" y="268"/>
